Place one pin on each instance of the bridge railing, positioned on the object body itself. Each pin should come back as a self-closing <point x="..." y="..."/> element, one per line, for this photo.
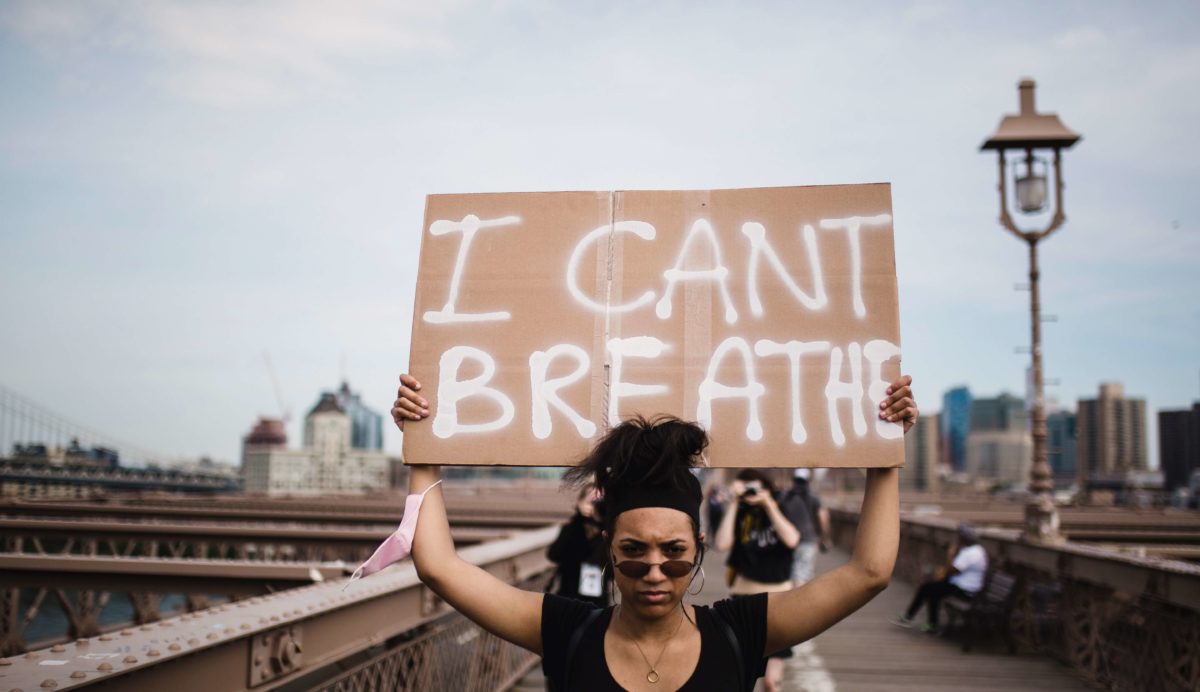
<point x="388" y="628"/>
<point x="1124" y="622"/>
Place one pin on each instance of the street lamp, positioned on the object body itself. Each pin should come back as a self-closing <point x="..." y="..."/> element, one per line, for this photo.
<point x="1026" y="133"/>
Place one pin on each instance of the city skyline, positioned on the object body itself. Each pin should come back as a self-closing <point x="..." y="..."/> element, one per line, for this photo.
<point x="186" y="186"/>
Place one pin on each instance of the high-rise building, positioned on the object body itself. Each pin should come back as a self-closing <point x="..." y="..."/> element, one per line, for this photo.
<point x="999" y="444"/>
<point x="1060" y="444"/>
<point x="921" y="455"/>
<point x="366" y="426"/>
<point x="1111" y="433"/>
<point x="1179" y="445"/>
<point x="329" y="463"/>
<point x="955" y="425"/>
<point x="1004" y="412"/>
<point x="1003" y="456"/>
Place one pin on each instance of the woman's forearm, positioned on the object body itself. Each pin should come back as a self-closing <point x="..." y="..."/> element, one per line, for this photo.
<point x="432" y="545"/>
<point x="878" y="538"/>
<point x="724" y="539"/>
<point x="788" y="534"/>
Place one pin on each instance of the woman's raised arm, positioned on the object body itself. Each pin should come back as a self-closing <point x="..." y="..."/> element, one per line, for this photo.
<point x="802" y="613"/>
<point x="498" y="607"/>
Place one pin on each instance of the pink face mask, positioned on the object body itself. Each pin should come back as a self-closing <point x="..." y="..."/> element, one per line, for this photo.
<point x="398" y="545"/>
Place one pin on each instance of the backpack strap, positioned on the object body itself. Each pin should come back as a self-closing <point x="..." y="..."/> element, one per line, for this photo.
<point x="735" y="645"/>
<point x="573" y="645"/>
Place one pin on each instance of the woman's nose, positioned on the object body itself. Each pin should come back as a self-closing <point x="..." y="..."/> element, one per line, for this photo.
<point x="656" y="574"/>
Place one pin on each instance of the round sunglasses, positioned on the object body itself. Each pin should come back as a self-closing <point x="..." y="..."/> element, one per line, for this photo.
<point x="636" y="569"/>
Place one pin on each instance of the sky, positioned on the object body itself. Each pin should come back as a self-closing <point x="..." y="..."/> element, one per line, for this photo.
<point x="185" y="186"/>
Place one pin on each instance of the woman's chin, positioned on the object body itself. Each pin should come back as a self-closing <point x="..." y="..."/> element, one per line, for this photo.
<point x="653" y="604"/>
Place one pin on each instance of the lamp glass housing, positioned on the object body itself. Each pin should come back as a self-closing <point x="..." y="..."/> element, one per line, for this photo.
<point x="1031" y="185"/>
<point x="1031" y="193"/>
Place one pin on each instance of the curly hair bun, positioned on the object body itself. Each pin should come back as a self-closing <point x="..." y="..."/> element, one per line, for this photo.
<point x="646" y="458"/>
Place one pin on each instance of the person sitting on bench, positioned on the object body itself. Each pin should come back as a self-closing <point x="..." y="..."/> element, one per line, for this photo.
<point x="962" y="577"/>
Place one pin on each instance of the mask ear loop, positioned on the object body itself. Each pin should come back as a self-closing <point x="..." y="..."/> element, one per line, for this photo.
<point x="358" y="572"/>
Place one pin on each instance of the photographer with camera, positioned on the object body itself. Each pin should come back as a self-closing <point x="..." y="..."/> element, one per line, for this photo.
<point x="579" y="553"/>
<point x="759" y="536"/>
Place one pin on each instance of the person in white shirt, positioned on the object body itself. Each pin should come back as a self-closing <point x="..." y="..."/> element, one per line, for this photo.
<point x="962" y="578"/>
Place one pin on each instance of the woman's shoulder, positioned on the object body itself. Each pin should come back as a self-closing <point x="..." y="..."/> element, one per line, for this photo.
<point x="566" y="612"/>
<point x="562" y="616"/>
<point x="738" y="608"/>
<point x="738" y="626"/>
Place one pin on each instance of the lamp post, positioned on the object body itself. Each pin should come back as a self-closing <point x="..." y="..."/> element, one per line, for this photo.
<point x="1024" y="134"/>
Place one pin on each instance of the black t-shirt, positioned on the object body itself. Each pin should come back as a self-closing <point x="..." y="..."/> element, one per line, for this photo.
<point x="757" y="552"/>
<point x="571" y="551"/>
<point x="716" y="670"/>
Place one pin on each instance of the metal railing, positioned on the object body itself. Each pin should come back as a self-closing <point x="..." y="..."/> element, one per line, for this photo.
<point x="389" y="628"/>
<point x="1122" y="621"/>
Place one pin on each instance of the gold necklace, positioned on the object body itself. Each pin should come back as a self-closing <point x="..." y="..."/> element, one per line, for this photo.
<point x="653" y="677"/>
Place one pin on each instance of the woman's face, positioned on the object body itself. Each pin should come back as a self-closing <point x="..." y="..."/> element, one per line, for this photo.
<point x="653" y="535"/>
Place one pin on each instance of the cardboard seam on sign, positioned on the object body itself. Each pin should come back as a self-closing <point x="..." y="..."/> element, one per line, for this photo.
<point x="606" y="386"/>
<point x="697" y="323"/>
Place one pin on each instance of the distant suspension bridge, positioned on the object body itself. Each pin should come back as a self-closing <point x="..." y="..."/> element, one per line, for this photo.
<point x="30" y="428"/>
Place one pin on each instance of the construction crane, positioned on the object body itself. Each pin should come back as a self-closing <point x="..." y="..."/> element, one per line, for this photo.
<point x="285" y="411"/>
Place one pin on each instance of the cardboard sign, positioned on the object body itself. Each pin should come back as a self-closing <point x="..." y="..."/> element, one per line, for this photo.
<point x="768" y="315"/>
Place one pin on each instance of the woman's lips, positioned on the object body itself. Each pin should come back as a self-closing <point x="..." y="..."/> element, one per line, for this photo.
<point x="655" y="596"/>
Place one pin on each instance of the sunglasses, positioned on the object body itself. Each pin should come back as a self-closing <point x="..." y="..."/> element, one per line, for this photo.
<point x="636" y="569"/>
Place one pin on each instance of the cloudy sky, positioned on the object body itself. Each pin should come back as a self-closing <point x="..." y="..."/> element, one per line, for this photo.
<point x="187" y="185"/>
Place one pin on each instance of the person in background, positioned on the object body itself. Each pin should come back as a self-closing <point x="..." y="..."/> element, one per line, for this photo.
<point x="812" y="520"/>
<point x="961" y="577"/>
<point x="759" y="535"/>
<point x="715" y="502"/>
<point x="579" y="552"/>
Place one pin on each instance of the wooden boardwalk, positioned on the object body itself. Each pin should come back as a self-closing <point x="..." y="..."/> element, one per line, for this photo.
<point x="866" y="652"/>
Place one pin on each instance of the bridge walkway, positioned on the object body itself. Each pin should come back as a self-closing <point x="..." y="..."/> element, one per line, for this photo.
<point x="866" y="653"/>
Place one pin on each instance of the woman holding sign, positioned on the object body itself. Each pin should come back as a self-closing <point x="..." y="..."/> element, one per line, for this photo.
<point x="653" y="639"/>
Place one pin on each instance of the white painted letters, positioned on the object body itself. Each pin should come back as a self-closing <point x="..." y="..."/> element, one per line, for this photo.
<point x="836" y="389"/>
<point x="814" y="349"/>
<point x="451" y="390"/>
<point x="793" y="350"/>
<point x="545" y="392"/>
<point x="751" y="391"/>
<point x="633" y="347"/>
<point x="469" y="226"/>
<point x="878" y="352"/>
<point x="642" y="230"/>
<point x="677" y="273"/>
<point x="852" y="225"/>
<point x="759" y="245"/>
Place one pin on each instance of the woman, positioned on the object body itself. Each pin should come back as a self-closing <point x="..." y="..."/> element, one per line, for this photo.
<point x="653" y="639"/>
<point x="759" y="536"/>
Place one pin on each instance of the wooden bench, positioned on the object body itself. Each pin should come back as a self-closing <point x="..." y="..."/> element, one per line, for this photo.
<point x="985" y="614"/>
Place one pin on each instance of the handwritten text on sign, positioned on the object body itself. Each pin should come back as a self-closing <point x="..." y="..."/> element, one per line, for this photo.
<point x="769" y="316"/>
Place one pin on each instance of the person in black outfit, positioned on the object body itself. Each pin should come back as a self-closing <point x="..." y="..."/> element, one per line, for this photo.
<point x="760" y="534"/>
<point x="653" y="639"/>
<point x="579" y="553"/>
<point x="715" y="502"/>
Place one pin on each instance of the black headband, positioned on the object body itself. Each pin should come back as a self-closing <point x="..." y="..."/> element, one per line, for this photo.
<point x="687" y="499"/>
